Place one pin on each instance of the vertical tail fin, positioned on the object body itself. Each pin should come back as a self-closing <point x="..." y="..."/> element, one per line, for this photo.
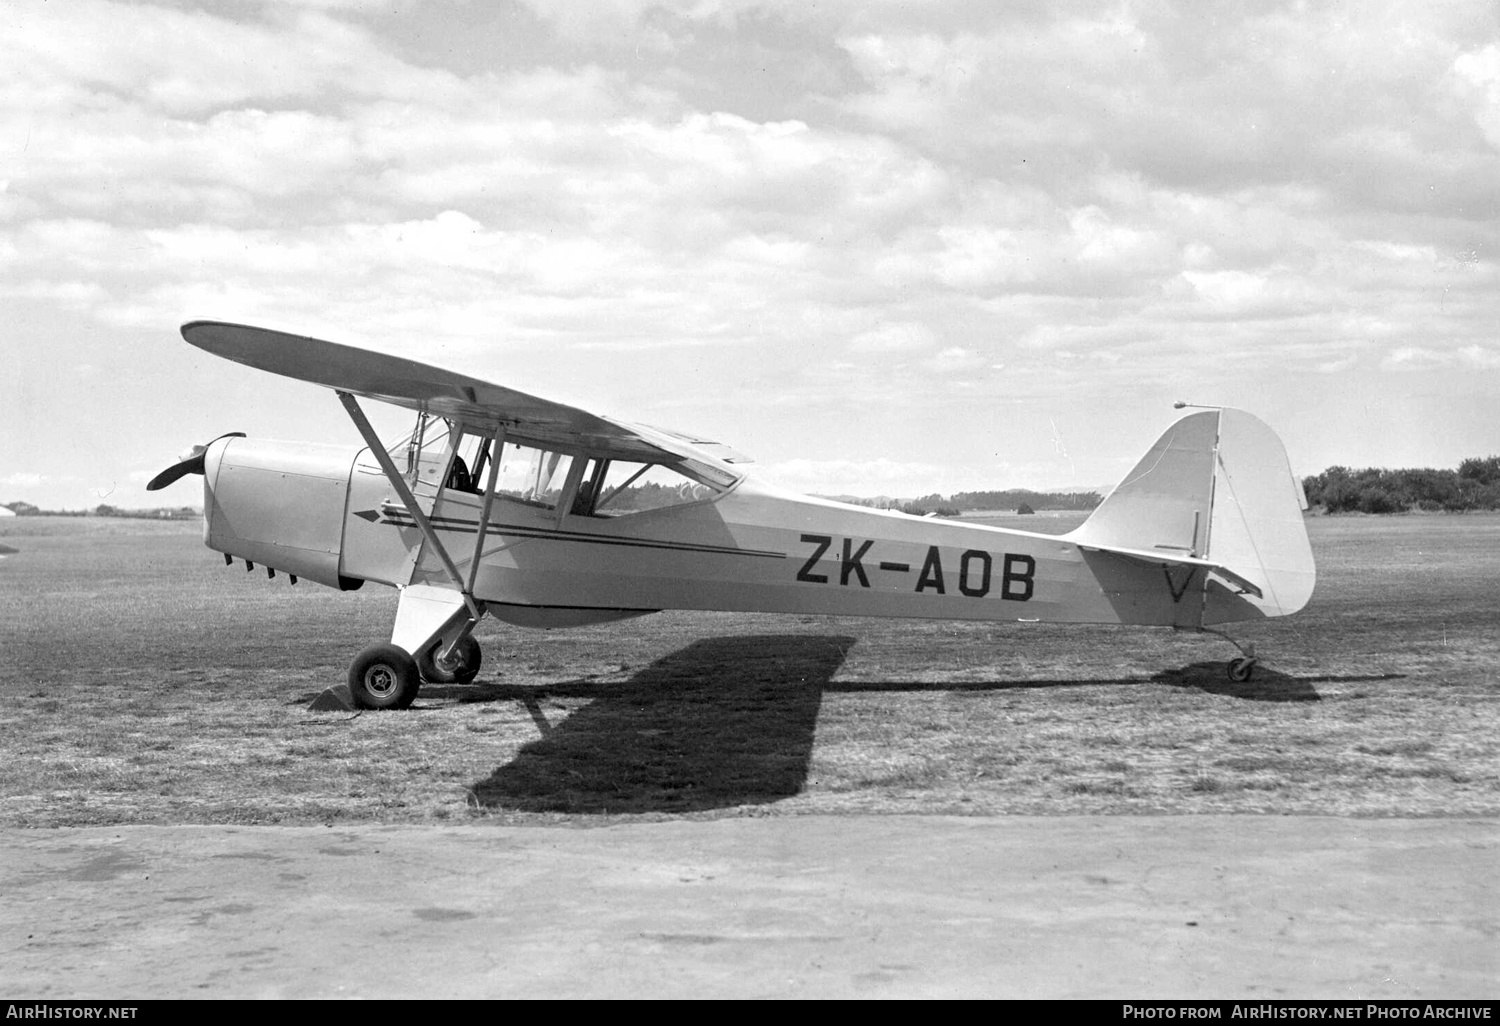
<point x="1217" y="491"/>
<point x="1164" y="503"/>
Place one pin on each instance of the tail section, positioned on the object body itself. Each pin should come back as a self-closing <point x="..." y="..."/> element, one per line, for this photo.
<point x="1216" y="493"/>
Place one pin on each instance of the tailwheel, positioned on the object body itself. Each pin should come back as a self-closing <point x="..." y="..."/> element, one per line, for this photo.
<point x="461" y="668"/>
<point x="384" y="677"/>
<point x="1241" y="669"/>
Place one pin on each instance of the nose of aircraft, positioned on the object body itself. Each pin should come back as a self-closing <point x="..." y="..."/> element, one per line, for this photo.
<point x="278" y="504"/>
<point x="190" y="462"/>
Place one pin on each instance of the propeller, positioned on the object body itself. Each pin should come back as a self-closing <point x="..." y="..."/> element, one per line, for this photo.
<point x="190" y="462"/>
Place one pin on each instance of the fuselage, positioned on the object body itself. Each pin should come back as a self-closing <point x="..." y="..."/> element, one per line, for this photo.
<point x="330" y="514"/>
<point x="760" y="549"/>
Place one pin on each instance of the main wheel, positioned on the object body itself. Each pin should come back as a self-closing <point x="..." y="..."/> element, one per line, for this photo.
<point x="461" y="669"/>
<point x="1240" y="669"/>
<point x="384" y="677"/>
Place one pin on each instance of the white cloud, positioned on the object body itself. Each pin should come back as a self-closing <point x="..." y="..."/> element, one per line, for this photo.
<point x="955" y="359"/>
<point x="1480" y="357"/>
<point x="980" y="258"/>
<point x="1230" y="289"/>
<point x="1471" y="357"/>
<point x="87" y="52"/>
<point x="867" y="478"/>
<point x="1478" y="76"/>
<point x="1336" y="366"/>
<point x="899" y="337"/>
<point x="65" y="293"/>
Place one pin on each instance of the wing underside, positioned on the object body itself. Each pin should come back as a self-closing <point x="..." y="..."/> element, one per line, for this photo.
<point x="420" y="386"/>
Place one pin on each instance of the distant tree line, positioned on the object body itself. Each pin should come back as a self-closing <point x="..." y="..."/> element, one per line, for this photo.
<point x="934" y="505"/>
<point x="27" y="509"/>
<point x="1010" y="499"/>
<point x="1014" y="498"/>
<point x="1475" y="485"/>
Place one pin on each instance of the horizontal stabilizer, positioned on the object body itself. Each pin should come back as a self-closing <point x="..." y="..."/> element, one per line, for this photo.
<point x="1246" y="587"/>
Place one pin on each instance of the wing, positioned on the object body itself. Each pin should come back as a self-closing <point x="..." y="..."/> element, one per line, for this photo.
<point x="704" y="445"/>
<point x="420" y="386"/>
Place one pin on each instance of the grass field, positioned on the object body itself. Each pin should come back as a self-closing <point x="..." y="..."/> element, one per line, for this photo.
<point x="141" y="681"/>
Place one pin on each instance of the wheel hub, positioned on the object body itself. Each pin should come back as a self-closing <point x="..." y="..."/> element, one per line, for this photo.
<point x="381" y="680"/>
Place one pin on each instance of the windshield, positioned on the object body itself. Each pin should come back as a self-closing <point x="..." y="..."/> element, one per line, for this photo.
<point x="439" y="449"/>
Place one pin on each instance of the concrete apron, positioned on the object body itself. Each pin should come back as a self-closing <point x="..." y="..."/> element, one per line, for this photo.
<point x="856" y="906"/>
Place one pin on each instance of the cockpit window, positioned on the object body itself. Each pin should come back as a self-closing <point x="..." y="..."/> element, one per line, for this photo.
<point x="458" y="456"/>
<point x="615" y="488"/>
<point x="533" y="476"/>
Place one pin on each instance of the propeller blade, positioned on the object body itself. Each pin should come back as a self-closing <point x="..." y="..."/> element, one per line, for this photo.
<point x="189" y="463"/>
<point x="175" y="471"/>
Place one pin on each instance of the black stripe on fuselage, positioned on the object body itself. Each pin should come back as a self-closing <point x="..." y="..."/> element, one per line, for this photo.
<point x="401" y="518"/>
<point x="574" y="609"/>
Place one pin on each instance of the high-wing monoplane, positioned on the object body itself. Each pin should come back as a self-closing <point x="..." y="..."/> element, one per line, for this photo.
<point x="543" y="515"/>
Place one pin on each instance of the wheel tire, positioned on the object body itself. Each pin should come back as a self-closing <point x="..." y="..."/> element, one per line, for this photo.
<point x="463" y="669"/>
<point x="1241" y="669"/>
<point x="384" y="677"/>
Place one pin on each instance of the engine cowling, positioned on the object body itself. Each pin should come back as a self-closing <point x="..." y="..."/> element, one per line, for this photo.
<point x="279" y="504"/>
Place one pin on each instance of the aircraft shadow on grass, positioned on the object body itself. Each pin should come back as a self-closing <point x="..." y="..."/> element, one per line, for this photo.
<point x="730" y="721"/>
<point x="723" y="722"/>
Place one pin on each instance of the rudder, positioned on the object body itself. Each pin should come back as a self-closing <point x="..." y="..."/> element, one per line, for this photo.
<point x="1257" y="527"/>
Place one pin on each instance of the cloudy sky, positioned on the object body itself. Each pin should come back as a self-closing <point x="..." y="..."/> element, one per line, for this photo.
<point x="885" y="247"/>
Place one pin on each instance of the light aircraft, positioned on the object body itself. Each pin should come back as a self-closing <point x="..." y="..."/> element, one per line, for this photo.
<point x="544" y="515"/>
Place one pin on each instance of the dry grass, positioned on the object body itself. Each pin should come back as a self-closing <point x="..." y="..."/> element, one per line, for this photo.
<point x="142" y="681"/>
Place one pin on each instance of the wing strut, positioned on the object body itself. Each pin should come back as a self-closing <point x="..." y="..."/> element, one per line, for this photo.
<point x="408" y="499"/>
<point x="489" y="502"/>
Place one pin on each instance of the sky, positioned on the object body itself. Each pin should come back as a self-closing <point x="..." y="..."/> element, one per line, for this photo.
<point x="883" y="247"/>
